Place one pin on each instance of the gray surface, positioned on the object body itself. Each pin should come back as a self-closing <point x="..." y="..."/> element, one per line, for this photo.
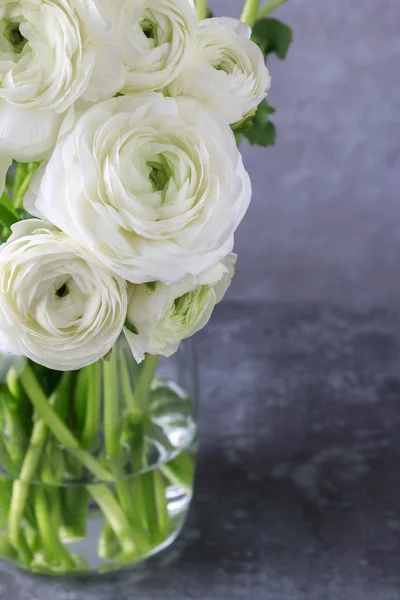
<point x="325" y="219"/>
<point x="298" y="489"/>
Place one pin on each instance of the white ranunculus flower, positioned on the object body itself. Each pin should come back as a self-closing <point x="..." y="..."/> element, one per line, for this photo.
<point x="170" y="314"/>
<point x="52" y="53"/>
<point x="58" y="305"/>
<point x="154" y="187"/>
<point x="227" y="73"/>
<point x="157" y="39"/>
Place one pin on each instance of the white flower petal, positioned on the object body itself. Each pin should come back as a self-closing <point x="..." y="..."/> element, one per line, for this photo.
<point x="242" y="29"/>
<point x="27" y="133"/>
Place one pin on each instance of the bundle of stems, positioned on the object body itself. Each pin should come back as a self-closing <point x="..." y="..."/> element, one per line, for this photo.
<point x="69" y="445"/>
<point x="253" y="10"/>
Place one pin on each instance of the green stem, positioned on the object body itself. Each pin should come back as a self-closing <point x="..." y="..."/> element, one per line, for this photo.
<point x="53" y="462"/>
<point x="6" y="459"/>
<point x="113" y="448"/>
<point x="125" y="496"/>
<point x="150" y="485"/>
<point x="101" y="494"/>
<point x="80" y="401"/>
<point x="57" y="427"/>
<point x="23" y="177"/>
<point x="21" y="487"/>
<point x="111" y="406"/>
<point x="180" y="471"/>
<point x="74" y="506"/>
<point x="48" y="527"/>
<point x="202" y="9"/>
<point x="108" y="545"/>
<point x="126" y="381"/>
<point x="93" y="403"/>
<point x="13" y="412"/>
<point x="145" y="380"/>
<point x="5" y="499"/>
<point x="250" y="11"/>
<point x="113" y="438"/>
<point x="6" y="550"/>
<point x="61" y="397"/>
<point x="7" y="217"/>
<point x="86" y="417"/>
<point x="133" y="438"/>
<point x="147" y="491"/>
<point x="269" y="7"/>
<point x="115" y="516"/>
<point x="155" y="505"/>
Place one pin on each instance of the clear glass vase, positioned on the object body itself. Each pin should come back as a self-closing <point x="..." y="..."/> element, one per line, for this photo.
<point x="96" y="465"/>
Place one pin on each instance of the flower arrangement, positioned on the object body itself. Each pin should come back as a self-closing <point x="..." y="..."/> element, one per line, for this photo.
<point x="122" y="187"/>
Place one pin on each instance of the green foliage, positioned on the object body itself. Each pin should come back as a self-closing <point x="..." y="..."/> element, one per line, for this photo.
<point x="262" y="131"/>
<point x="23" y="173"/>
<point x="238" y="138"/>
<point x="273" y="37"/>
<point x="243" y="125"/>
<point x="11" y="209"/>
<point x="8" y="216"/>
<point x="131" y="327"/>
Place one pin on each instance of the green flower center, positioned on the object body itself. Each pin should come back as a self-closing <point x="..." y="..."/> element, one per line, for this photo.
<point x="148" y="29"/>
<point x="159" y="174"/>
<point x="189" y="307"/>
<point x="63" y="290"/>
<point x="14" y="36"/>
<point x="224" y="66"/>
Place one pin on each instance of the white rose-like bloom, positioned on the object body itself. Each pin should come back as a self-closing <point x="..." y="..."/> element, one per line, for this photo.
<point x="52" y="52"/>
<point x="170" y="314"/>
<point x="157" y="39"/>
<point x="228" y="72"/>
<point x="58" y="305"/>
<point x="154" y="187"/>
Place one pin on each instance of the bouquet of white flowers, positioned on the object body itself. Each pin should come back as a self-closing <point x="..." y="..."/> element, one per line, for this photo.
<point x="121" y="187"/>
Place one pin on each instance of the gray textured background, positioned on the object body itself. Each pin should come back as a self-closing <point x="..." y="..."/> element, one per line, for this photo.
<point x="325" y="220"/>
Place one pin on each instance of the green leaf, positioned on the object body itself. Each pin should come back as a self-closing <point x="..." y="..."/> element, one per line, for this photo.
<point x="5" y="201"/>
<point x="23" y="214"/>
<point x="151" y="286"/>
<point x="10" y="177"/>
<point x="273" y="37"/>
<point x="132" y="328"/>
<point x="262" y="136"/>
<point x="7" y="216"/>
<point x="238" y="138"/>
<point x="243" y="125"/>
<point x="107" y="357"/>
<point x="262" y="131"/>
